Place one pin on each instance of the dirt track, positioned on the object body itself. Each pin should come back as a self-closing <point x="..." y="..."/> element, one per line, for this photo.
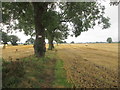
<point x="89" y="66"/>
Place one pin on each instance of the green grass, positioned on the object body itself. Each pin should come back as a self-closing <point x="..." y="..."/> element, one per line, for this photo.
<point x="33" y="72"/>
<point x="60" y="76"/>
<point x="12" y="72"/>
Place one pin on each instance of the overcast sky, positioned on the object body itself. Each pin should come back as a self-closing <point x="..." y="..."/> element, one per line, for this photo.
<point x="93" y="35"/>
<point x="97" y="34"/>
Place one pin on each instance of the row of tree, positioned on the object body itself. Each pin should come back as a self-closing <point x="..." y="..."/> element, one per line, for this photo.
<point x="52" y="20"/>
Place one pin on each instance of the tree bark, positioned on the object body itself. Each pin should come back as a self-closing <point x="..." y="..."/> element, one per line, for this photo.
<point x="39" y="45"/>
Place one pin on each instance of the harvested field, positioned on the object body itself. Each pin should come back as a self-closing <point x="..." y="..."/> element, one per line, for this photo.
<point x="94" y="65"/>
<point x="16" y="52"/>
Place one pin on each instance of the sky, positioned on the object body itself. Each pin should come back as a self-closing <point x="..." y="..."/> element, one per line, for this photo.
<point x="92" y="35"/>
<point x="97" y="34"/>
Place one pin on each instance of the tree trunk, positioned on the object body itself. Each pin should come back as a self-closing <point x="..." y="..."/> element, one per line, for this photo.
<point x="50" y="40"/>
<point x="57" y="43"/>
<point x="51" y="45"/>
<point x="39" y="45"/>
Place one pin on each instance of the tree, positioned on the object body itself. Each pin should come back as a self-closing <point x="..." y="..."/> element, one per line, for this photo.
<point x="30" y="16"/>
<point x="81" y="16"/>
<point x="72" y="42"/>
<point x="60" y="36"/>
<point x="4" y="38"/>
<point x="57" y="34"/>
<point x="84" y="15"/>
<point x="109" y="40"/>
<point x="116" y="2"/>
<point x="53" y="26"/>
<point x="65" y="42"/>
<point x="13" y="39"/>
<point x="39" y="11"/>
<point x="30" y="41"/>
<point x="51" y="23"/>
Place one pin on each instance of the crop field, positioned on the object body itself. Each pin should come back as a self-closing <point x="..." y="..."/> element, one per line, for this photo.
<point x="95" y="65"/>
<point x="16" y="52"/>
<point x="92" y="65"/>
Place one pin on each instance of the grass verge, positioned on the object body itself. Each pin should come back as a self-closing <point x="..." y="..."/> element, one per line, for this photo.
<point x="33" y="72"/>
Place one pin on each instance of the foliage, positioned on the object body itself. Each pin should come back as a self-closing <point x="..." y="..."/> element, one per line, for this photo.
<point x="20" y="14"/>
<point x="30" y="41"/>
<point x="109" y="40"/>
<point x="44" y="16"/>
<point x="4" y="37"/>
<point x="55" y="30"/>
<point x="116" y="3"/>
<point x="84" y="15"/>
<point x="13" y="39"/>
<point x="59" y="37"/>
<point x="65" y="42"/>
<point x="81" y="16"/>
<point x="72" y="42"/>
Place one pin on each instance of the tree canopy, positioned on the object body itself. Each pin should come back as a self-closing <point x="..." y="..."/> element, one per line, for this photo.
<point x="109" y="40"/>
<point x="5" y="37"/>
<point x="13" y="39"/>
<point x="9" y="38"/>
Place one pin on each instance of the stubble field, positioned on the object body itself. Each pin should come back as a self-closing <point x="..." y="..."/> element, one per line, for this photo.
<point x="95" y="65"/>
